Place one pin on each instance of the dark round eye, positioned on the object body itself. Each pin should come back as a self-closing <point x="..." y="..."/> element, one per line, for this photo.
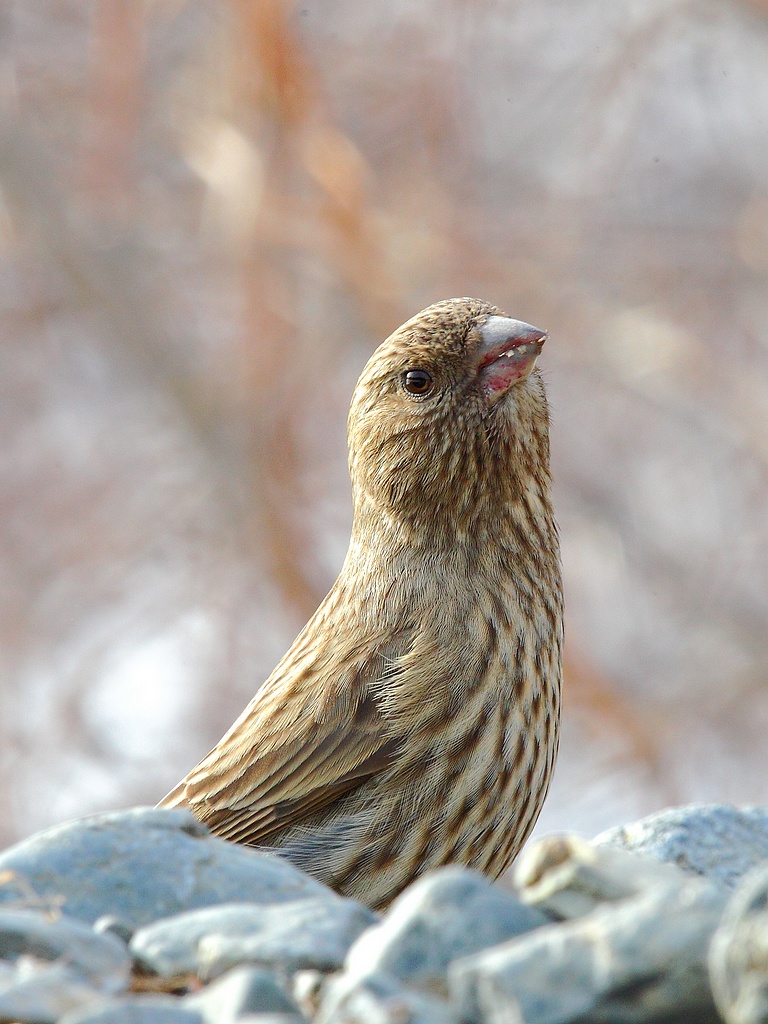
<point x="418" y="382"/>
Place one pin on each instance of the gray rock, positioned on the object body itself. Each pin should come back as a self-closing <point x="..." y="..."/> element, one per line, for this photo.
<point x="637" y="960"/>
<point x="379" y="999"/>
<point x="111" y="925"/>
<point x="444" y="915"/>
<point x="102" y="960"/>
<point x="135" y="1010"/>
<point x="246" y="990"/>
<point x="144" y="864"/>
<point x="567" y="876"/>
<point x="306" y="988"/>
<point x="738" y="956"/>
<point x="719" y="842"/>
<point x="272" y="1018"/>
<point x="302" y="934"/>
<point x="43" y="992"/>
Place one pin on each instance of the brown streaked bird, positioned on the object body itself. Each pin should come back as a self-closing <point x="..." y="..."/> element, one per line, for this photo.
<point x="414" y="721"/>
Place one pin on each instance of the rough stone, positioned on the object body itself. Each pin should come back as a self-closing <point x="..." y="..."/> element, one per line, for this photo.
<point x="718" y="842"/>
<point x="379" y="999"/>
<point x="567" y="876"/>
<point x="102" y="960"/>
<point x="306" y="988"/>
<point x="111" y="925"/>
<point x="135" y="1010"/>
<point x="312" y="933"/>
<point x="638" y="961"/>
<point x="245" y="990"/>
<point x="738" y="956"/>
<point x="444" y="915"/>
<point x="35" y="990"/>
<point x="144" y="864"/>
<point x="272" y="1018"/>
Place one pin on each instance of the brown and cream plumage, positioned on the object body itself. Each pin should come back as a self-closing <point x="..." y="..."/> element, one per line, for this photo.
<point x="414" y="721"/>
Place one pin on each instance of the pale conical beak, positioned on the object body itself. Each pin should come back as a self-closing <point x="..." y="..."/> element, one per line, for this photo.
<point x="507" y="353"/>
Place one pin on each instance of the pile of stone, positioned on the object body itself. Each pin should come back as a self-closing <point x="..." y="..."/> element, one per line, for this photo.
<point x="143" y="917"/>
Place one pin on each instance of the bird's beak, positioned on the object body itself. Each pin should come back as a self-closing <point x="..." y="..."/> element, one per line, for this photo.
<point x="506" y="354"/>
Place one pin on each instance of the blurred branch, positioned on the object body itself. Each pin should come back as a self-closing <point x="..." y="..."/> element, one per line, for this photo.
<point x="116" y="93"/>
<point x="314" y="205"/>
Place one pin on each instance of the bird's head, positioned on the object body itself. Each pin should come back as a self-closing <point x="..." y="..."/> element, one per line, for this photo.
<point x="448" y="418"/>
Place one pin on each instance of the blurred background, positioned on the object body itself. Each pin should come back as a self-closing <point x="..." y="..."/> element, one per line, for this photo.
<point x="210" y="215"/>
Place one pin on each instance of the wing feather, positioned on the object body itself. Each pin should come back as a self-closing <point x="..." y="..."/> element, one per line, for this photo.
<point x="282" y="762"/>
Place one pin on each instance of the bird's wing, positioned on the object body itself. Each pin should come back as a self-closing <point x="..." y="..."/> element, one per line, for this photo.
<point x="290" y="755"/>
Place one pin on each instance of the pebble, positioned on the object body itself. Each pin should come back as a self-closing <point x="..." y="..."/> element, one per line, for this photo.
<point x="446" y="914"/>
<point x="567" y="876"/>
<point x="142" y="865"/>
<point x="716" y="841"/>
<point x="637" y="960"/>
<point x="379" y="999"/>
<point x="245" y="990"/>
<point x="136" y="1010"/>
<point x="738" y="956"/>
<point x="307" y="989"/>
<point x="312" y="933"/>
<point x="271" y="1019"/>
<point x="51" y="966"/>
<point x="101" y="960"/>
<point x="34" y="990"/>
<point x="111" y="925"/>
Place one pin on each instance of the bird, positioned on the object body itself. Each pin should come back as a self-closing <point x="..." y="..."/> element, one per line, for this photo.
<point x="414" y="721"/>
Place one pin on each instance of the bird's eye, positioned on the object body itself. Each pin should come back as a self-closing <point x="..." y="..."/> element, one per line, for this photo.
<point x="418" y="382"/>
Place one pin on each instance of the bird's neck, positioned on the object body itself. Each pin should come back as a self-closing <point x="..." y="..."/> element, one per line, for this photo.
<point x="443" y="542"/>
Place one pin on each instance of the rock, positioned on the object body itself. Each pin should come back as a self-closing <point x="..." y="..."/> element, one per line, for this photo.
<point x="272" y="1018"/>
<point x="144" y="864"/>
<point x="567" y="876"/>
<point x="636" y="960"/>
<point x="379" y="999"/>
<point x="101" y="960"/>
<point x="42" y="992"/>
<point x="738" y="956"/>
<point x="718" y="842"/>
<point x="243" y="991"/>
<point x="306" y="988"/>
<point x="111" y="925"/>
<point x="135" y="1010"/>
<point x="312" y="933"/>
<point x="444" y="915"/>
